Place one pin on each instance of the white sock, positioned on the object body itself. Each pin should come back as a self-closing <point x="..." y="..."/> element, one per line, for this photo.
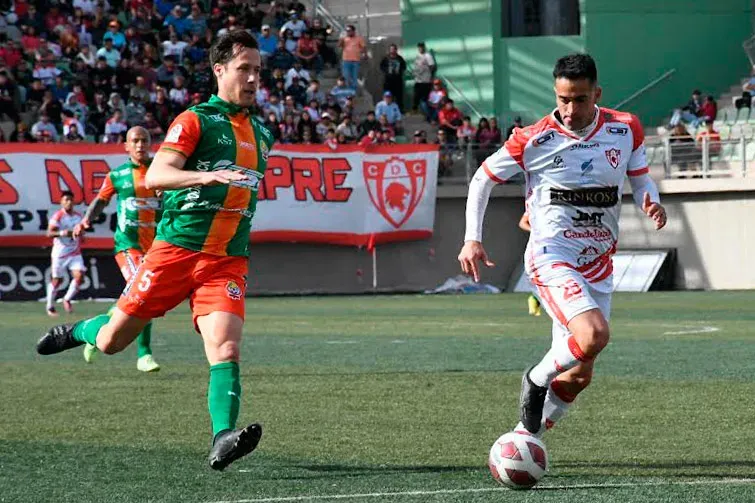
<point x="563" y="355"/>
<point x="51" y="291"/>
<point x="73" y="288"/>
<point x="557" y="403"/>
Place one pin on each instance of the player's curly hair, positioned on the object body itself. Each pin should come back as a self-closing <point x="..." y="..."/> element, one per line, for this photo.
<point x="576" y="67"/>
<point x="226" y="47"/>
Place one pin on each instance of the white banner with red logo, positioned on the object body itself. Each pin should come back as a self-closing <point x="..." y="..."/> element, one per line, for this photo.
<point x="311" y="194"/>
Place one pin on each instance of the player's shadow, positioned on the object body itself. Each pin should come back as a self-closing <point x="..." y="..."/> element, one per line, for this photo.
<point x="677" y="469"/>
<point x="336" y="471"/>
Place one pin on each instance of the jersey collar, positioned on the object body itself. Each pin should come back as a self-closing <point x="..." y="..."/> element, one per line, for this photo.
<point x="226" y="107"/>
<point x="588" y="132"/>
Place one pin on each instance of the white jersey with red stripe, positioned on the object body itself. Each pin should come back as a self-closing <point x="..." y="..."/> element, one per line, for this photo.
<point x="574" y="187"/>
<point x="63" y="247"/>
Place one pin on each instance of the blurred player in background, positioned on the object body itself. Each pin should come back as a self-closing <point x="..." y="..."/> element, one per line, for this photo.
<point x="575" y="161"/>
<point x="210" y="167"/>
<point x="533" y="303"/>
<point x="66" y="253"/>
<point x="138" y="214"/>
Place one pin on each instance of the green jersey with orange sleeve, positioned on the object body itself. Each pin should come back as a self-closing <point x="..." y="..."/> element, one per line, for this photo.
<point x="216" y="220"/>
<point x="138" y="209"/>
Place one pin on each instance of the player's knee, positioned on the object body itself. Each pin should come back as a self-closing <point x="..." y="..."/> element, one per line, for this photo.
<point x="108" y="343"/>
<point x="594" y="338"/>
<point x="228" y="351"/>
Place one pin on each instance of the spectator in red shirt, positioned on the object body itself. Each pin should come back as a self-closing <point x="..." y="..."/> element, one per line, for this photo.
<point x="709" y="109"/>
<point x="308" y="52"/>
<point x="10" y="54"/>
<point x="450" y="118"/>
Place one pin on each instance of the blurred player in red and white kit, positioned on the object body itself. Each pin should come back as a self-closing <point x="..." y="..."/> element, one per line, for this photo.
<point x="66" y="253"/>
<point x="575" y="162"/>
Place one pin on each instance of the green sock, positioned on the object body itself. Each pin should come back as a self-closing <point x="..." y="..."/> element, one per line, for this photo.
<point x="86" y="331"/>
<point x="224" y="396"/>
<point x="143" y="341"/>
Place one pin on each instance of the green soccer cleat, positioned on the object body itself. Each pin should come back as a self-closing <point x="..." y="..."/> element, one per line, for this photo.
<point x="147" y="363"/>
<point x="89" y="353"/>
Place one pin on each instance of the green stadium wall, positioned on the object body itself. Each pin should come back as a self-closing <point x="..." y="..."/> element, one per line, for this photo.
<point x="633" y="42"/>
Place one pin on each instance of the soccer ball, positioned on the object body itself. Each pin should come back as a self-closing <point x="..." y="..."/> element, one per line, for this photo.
<point x="518" y="460"/>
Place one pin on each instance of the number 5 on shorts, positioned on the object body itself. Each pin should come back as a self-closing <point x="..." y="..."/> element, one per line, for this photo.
<point x="146" y="281"/>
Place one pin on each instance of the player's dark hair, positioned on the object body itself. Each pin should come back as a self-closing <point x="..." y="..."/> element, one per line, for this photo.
<point x="227" y="47"/>
<point x="576" y="67"/>
<point x="66" y="193"/>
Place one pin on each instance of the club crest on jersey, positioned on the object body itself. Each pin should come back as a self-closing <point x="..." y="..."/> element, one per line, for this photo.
<point x="614" y="157"/>
<point x="233" y="290"/>
<point x="395" y="187"/>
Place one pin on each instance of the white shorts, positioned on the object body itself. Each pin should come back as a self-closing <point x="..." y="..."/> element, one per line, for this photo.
<point x="71" y="263"/>
<point x="565" y="294"/>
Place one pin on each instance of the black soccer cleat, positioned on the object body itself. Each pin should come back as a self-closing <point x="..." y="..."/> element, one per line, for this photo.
<point x="531" y="401"/>
<point x="231" y="445"/>
<point x="58" y="338"/>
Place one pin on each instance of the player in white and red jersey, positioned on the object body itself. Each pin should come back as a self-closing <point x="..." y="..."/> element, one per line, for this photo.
<point x="575" y="162"/>
<point x="66" y="253"/>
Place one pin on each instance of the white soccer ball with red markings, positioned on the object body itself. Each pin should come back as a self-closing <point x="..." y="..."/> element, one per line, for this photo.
<point x="518" y="460"/>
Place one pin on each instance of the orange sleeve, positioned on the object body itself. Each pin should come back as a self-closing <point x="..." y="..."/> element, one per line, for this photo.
<point x="183" y="135"/>
<point x="107" y="191"/>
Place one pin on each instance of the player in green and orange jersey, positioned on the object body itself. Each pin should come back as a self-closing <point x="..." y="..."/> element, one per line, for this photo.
<point x="210" y="166"/>
<point x="138" y="214"/>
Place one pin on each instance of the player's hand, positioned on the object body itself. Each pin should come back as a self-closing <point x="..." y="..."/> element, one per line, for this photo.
<point x="655" y="211"/>
<point x="471" y="253"/>
<point x="223" y="177"/>
<point x="64" y="233"/>
<point x="79" y="229"/>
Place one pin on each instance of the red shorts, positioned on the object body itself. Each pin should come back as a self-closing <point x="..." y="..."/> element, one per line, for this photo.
<point x="170" y="274"/>
<point x="128" y="261"/>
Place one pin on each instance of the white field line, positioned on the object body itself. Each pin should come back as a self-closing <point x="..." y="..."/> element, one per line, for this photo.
<point x="609" y="485"/>
<point x="696" y="330"/>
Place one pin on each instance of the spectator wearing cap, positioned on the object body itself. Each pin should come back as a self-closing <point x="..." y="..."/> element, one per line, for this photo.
<point x="324" y="125"/>
<point x="297" y="71"/>
<point x="295" y="24"/>
<point x="419" y="137"/>
<point x="44" y="125"/>
<point x="390" y="109"/>
<point x="393" y="67"/>
<point x="177" y="21"/>
<point x="434" y="102"/>
<point x="423" y="70"/>
<point x="114" y="33"/>
<point x="110" y="53"/>
<point x="348" y="129"/>
<point x="517" y="124"/>
<point x="267" y="42"/>
<point x="341" y="91"/>
<point x="308" y="52"/>
<point x="354" y="49"/>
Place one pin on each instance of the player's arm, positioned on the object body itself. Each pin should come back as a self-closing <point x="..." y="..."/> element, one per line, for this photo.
<point x="96" y="207"/>
<point x="53" y="230"/>
<point x="644" y="190"/>
<point x="524" y="222"/>
<point x="166" y="171"/>
<point x="497" y="168"/>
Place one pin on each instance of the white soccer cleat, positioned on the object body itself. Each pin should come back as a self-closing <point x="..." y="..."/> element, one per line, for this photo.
<point x="147" y="364"/>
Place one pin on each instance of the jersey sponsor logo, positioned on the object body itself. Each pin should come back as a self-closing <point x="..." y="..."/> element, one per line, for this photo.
<point x="598" y="235"/>
<point x="218" y="118"/>
<point x="587" y="219"/>
<point x="233" y="290"/>
<point x="621" y="131"/>
<point x="558" y="161"/>
<point x="224" y="140"/>
<point x="598" y="197"/>
<point x="395" y="187"/>
<point x="544" y="139"/>
<point x="141" y="203"/>
<point x="587" y="255"/>
<point x="127" y="184"/>
<point x="254" y="177"/>
<point x="587" y="167"/>
<point x="203" y="165"/>
<point x="614" y="157"/>
<point x="584" y="146"/>
<point x="174" y="134"/>
<point x="265" y="151"/>
<point x="247" y="145"/>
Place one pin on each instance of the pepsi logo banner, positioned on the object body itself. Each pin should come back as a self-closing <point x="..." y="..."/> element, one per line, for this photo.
<point x="312" y="194"/>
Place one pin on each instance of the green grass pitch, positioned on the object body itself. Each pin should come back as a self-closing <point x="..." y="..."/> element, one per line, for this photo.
<point x="388" y="398"/>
